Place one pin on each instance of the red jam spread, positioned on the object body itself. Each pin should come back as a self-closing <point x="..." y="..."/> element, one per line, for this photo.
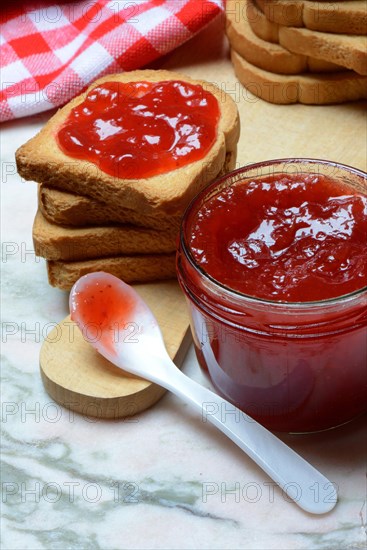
<point x="284" y="238"/>
<point x="141" y="129"/>
<point x="102" y="309"/>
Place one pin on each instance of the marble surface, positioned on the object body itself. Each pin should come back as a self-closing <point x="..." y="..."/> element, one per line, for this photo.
<point x="163" y="479"/>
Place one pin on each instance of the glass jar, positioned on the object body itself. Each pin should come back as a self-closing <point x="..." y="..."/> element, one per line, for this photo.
<point x="294" y="367"/>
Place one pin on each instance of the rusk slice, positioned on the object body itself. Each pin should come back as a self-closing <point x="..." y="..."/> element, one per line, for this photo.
<point x="345" y="50"/>
<point x="81" y="243"/>
<point x="41" y="159"/>
<point x="334" y="17"/>
<point x="262" y="26"/>
<point x="131" y="269"/>
<point x="317" y="89"/>
<point x="267" y="55"/>
<point x="68" y="209"/>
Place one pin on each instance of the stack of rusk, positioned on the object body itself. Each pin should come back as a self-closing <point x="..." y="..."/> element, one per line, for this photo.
<point x="300" y="51"/>
<point x="88" y="223"/>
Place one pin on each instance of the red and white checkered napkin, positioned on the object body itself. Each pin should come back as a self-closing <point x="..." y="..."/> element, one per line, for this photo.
<point x="51" y="51"/>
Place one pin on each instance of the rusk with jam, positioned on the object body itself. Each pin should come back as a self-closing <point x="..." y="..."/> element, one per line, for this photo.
<point x="41" y="158"/>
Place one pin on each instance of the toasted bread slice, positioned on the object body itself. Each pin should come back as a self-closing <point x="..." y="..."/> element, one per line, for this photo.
<point x="262" y="26"/>
<point x="269" y="56"/>
<point x="82" y="243"/>
<point x="334" y="17"/>
<point x="345" y="50"/>
<point x="42" y="160"/>
<point x="68" y="209"/>
<point x="308" y="88"/>
<point x="131" y="269"/>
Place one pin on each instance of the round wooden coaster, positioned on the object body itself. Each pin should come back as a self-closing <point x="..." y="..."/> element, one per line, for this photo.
<point x="78" y="378"/>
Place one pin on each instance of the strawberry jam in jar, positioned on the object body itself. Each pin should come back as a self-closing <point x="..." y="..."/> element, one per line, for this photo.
<point x="273" y="262"/>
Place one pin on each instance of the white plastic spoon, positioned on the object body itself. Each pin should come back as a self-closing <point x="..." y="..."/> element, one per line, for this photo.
<point x="118" y="324"/>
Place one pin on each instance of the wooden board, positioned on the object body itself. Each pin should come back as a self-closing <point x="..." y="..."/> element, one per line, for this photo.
<point x="78" y="378"/>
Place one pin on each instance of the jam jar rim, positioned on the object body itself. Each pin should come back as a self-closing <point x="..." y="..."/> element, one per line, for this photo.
<point x="237" y="295"/>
